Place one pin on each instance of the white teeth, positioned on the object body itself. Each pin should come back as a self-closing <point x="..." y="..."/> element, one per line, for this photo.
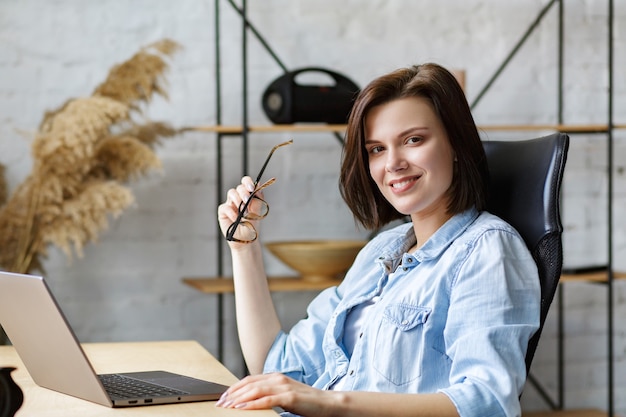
<point x="401" y="184"/>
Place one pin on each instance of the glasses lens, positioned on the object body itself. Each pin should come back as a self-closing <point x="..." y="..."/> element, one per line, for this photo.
<point x="244" y="232"/>
<point x="257" y="209"/>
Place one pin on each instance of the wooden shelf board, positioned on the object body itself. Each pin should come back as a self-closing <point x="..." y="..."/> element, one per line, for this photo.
<point x="296" y="128"/>
<point x="599" y="276"/>
<point x="566" y="413"/>
<point x="591" y="128"/>
<point x="213" y="129"/>
<point x="220" y="285"/>
<point x="217" y="285"/>
<point x="299" y="128"/>
<point x="340" y="128"/>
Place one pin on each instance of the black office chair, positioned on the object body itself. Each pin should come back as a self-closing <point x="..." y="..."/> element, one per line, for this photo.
<point x="524" y="190"/>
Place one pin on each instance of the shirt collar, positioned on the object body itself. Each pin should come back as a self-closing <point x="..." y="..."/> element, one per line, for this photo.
<point x="447" y="234"/>
<point x="400" y="239"/>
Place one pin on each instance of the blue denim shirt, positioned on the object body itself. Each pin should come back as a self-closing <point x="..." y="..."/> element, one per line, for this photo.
<point x="455" y="317"/>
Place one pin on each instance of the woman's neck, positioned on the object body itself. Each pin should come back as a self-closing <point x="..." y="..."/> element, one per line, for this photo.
<point x="425" y="226"/>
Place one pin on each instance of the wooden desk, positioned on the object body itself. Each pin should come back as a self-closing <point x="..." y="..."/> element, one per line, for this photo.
<point x="184" y="357"/>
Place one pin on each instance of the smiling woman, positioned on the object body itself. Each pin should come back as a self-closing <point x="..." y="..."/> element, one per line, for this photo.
<point x="445" y="108"/>
<point x="434" y="316"/>
<point x="410" y="160"/>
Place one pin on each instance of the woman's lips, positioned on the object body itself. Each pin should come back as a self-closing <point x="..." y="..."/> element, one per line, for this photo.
<point x="402" y="184"/>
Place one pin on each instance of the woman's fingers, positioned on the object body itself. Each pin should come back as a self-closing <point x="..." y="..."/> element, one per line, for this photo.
<point x="271" y="390"/>
<point x="235" y="198"/>
<point x="248" y="183"/>
<point x="250" y="392"/>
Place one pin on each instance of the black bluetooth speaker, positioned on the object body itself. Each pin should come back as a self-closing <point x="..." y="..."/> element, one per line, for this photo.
<point x="285" y="101"/>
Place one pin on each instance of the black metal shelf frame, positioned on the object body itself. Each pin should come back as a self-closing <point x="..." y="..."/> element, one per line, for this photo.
<point x="247" y="27"/>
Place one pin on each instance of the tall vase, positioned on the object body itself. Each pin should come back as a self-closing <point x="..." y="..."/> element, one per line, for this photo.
<point x="11" y="396"/>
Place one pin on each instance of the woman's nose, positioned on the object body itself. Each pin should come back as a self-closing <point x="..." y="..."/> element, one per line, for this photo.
<point x="395" y="161"/>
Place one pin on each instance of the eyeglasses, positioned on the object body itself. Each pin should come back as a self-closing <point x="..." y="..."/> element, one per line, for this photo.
<point x="254" y="208"/>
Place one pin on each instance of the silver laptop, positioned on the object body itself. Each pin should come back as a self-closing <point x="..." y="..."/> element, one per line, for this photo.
<point x="52" y="355"/>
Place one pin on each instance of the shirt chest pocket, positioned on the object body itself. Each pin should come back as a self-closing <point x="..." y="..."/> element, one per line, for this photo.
<point x="399" y="343"/>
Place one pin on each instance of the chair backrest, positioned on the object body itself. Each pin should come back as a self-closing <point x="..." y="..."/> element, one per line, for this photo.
<point x="524" y="190"/>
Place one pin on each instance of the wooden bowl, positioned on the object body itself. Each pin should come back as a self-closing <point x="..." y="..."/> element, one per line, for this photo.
<point x="317" y="260"/>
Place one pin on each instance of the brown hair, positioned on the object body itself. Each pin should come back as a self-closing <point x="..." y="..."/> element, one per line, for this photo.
<point x="438" y="85"/>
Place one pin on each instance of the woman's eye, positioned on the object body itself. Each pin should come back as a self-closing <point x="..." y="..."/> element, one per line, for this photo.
<point x="414" y="139"/>
<point x="376" y="149"/>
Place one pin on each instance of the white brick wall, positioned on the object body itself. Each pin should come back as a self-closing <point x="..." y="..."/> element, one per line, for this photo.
<point x="127" y="287"/>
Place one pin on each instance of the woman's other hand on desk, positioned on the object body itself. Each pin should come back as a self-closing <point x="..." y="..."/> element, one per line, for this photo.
<point x="277" y="390"/>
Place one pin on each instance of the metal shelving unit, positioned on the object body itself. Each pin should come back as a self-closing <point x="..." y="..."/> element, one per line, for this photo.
<point x="607" y="275"/>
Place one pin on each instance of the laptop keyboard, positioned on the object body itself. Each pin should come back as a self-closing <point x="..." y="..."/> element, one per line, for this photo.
<point x="123" y="387"/>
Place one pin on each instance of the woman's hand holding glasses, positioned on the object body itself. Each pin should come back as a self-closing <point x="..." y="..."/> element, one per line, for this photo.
<point x="244" y="206"/>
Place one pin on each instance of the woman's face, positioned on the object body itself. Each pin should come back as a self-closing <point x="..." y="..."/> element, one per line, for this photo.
<point x="410" y="156"/>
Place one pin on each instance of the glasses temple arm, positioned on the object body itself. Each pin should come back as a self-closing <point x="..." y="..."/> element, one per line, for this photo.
<point x="267" y="160"/>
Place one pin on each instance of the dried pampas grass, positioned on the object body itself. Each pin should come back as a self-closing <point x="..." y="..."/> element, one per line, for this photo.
<point x="83" y="152"/>
<point x="80" y="219"/>
<point x="139" y="78"/>
<point x="124" y="158"/>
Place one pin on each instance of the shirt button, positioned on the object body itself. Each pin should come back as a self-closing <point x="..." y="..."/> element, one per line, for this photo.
<point x="405" y="269"/>
<point x="405" y="322"/>
<point x="409" y="260"/>
<point x="352" y="372"/>
<point x="337" y="354"/>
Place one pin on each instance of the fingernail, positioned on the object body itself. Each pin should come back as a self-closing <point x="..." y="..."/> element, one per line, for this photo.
<point x="250" y="187"/>
<point x="242" y="405"/>
<point x="221" y="400"/>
